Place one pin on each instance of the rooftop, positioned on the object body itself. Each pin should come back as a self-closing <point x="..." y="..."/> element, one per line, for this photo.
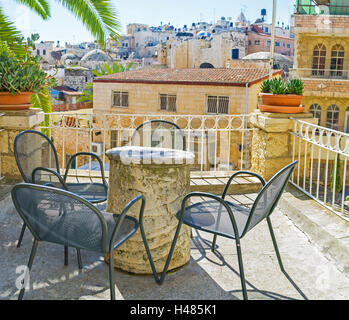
<point x="223" y="77"/>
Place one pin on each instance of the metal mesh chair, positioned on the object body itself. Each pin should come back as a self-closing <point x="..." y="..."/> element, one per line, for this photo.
<point x="61" y="217"/>
<point x="160" y="134"/>
<point x="224" y="218"/>
<point x="37" y="161"/>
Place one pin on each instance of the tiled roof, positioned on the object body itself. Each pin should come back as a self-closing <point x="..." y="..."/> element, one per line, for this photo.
<point x="227" y="77"/>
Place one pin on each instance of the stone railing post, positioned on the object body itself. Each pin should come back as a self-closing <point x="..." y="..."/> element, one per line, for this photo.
<point x="272" y="144"/>
<point x="12" y="123"/>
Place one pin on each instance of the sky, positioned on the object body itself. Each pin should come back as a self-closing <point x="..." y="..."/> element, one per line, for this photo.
<point x="63" y="26"/>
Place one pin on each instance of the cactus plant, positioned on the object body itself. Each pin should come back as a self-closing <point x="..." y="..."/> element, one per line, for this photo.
<point x="295" y="86"/>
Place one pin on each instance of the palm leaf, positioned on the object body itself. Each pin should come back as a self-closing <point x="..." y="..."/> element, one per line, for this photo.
<point x="41" y="7"/>
<point x="98" y="16"/>
<point x="9" y="35"/>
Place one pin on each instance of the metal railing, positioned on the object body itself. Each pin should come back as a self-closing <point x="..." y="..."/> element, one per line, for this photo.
<point x="320" y="73"/>
<point x="329" y="7"/>
<point x="219" y="142"/>
<point x="323" y="160"/>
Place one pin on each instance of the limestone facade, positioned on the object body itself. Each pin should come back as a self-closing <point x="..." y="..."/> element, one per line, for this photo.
<point x="322" y="45"/>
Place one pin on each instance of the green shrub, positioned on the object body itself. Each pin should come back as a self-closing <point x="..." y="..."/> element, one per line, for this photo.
<point x="265" y="86"/>
<point x="22" y="74"/>
<point x="295" y="86"/>
<point x="278" y="86"/>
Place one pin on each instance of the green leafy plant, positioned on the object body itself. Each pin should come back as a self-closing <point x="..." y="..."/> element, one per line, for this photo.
<point x="336" y="175"/>
<point x="104" y="69"/>
<point x="265" y="86"/>
<point x="98" y="16"/>
<point x="295" y="86"/>
<point x="22" y="73"/>
<point x="278" y="86"/>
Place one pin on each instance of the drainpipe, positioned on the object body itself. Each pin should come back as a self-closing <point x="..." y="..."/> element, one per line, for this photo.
<point x="272" y="45"/>
<point x="247" y="94"/>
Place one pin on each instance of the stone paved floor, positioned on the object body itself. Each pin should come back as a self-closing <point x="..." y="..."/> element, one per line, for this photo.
<point x="207" y="276"/>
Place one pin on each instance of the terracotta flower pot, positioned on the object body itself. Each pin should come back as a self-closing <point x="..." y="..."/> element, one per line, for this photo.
<point x="288" y="100"/>
<point x="281" y="109"/>
<point x="22" y="98"/>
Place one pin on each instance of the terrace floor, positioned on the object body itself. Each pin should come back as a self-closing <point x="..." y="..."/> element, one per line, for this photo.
<point x="209" y="276"/>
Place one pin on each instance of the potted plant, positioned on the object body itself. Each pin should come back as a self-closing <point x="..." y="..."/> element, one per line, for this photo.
<point x="20" y="78"/>
<point x="280" y="93"/>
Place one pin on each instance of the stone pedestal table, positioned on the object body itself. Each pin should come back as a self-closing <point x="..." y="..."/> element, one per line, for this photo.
<point x="163" y="177"/>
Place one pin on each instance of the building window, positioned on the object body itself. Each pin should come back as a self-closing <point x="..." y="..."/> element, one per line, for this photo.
<point x="235" y="54"/>
<point x="113" y="139"/>
<point x="38" y="52"/>
<point x="257" y="42"/>
<point x="277" y="44"/>
<point x="268" y="43"/>
<point x="288" y="46"/>
<point x="315" y="109"/>
<point x="337" y="60"/>
<point x="217" y="104"/>
<point x="168" y="102"/>
<point x="266" y="29"/>
<point x="120" y="99"/>
<point x="249" y="42"/>
<point x="319" y="60"/>
<point x="332" y="119"/>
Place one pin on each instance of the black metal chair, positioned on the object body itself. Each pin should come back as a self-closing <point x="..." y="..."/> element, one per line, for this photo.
<point x="224" y="218"/>
<point x="159" y="133"/>
<point x="37" y="161"/>
<point x="61" y="217"/>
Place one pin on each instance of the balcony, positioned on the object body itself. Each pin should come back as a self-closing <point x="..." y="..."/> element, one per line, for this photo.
<point x="327" y="74"/>
<point x="322" y="7"/>
<point x="310" y="223"/>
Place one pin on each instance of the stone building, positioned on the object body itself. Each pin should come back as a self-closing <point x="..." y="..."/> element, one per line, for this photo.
<point x="177" y="92"/>
<point x="77" y="77"/>
<point x="212" y="51"/>
<point x="322" y="61"/>
<point x="260" y="41"/>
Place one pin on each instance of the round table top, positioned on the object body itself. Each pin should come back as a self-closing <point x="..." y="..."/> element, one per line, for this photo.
<point x="148" y="155"/>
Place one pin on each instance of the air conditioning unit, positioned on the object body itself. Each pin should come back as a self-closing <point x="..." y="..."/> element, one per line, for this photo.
<point x="97" y="148"/>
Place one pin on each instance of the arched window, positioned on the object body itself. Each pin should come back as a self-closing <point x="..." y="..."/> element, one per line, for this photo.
<point x="332" y="118"/>
<point x="337" y="60"/>
<point x="319" y="60"/>
<point x="315" y="109"/>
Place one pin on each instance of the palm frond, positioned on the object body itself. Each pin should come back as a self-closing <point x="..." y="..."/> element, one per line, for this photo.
<point x="41" y="7"/>
<point x="98" y="16"/>
<point x="10" y="36"/>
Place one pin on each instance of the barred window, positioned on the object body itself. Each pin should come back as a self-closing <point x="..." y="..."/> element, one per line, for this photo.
<point x="332" y="119"/>
<point x="315" y="109"/>
<point x="120" y="99"/>
<point x="217" y="104"/>
<point x="168" y="102"/>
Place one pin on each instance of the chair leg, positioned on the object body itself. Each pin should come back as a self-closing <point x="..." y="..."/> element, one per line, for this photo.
<point x="65" y="255"/>
<point x="275" y="244"/>
<point x="21" y="235"/>
<point x="163" y="275"/>
<point x="79" y="258"/>
<point x="241" y="268"/>
<point x="111" y="276"/>
<point x="30" y="264"/>
<point x="214" y="243"/>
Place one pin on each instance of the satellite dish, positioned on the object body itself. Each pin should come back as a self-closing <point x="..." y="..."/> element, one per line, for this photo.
<point x="56" y="55"/>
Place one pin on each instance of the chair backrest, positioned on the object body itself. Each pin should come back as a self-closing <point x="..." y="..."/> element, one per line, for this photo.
<point x="85" y="161"/>
<point x="33" y="149"/>
<point x="60" y="217"/>
<point x="159" y="133"/>
<point x="269" y="197"/>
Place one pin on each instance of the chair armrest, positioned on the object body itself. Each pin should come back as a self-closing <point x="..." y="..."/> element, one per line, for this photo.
<point x="51" y="172"/>
<point x="93" y="155"/>
<point x="122" y="218"/>
<point x="239" y="173"/>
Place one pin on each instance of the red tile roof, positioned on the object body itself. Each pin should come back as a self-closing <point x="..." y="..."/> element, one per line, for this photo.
<point x="223" y="77"/>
